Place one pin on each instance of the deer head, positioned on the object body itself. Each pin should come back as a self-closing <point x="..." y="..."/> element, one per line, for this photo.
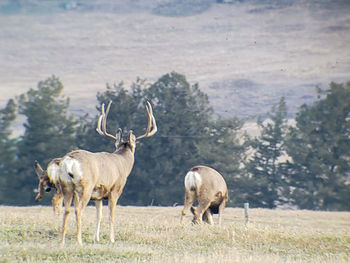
<point x="118" y="138"/>
<point x="44" y="182"/>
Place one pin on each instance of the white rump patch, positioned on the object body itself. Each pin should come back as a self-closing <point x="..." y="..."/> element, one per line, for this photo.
<point x="53" y="172"/>
<point x="193" y="181"/>
<point x="71" y="170"/>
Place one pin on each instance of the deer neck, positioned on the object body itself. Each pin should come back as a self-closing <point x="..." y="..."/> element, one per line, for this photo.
<point x="127" y="154"/>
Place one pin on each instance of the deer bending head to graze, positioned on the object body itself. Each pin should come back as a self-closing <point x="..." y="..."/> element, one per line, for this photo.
<point x="85" y="175"/>
<point x="47" y="180"/>
<point x="209" y="188"/>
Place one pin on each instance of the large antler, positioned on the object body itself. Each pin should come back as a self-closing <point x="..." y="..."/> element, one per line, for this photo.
<point x="102" y="122"/>
<point x="152" y="126"/>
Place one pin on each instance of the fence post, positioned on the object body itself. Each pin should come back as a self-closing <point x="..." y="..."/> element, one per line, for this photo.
<point x="246" y="207"/>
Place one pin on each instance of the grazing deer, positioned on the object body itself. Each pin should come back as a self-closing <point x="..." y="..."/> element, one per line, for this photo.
<point x="208" y="187"/>
<point x="84" y="175"/>
<point x="47" y="180"/>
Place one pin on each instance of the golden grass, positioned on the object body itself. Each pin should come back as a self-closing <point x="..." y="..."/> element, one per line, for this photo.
<point x="154" y="234"/>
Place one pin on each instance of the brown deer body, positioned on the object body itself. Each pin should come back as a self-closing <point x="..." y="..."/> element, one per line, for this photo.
<point x="95" y="176"/>
<point x="209" y="188"/>
<point x="84" y="175"/>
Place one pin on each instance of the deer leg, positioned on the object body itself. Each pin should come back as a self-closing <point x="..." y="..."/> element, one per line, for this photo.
<point x="189" y="199"/>
<point x="207" y="217"/>
<point x="201" y="209"/>
<point x="57" y="203"/>
<point x="112" y="201"/>
<point x="67" y="203"/>
<point x="80" y="204"/>
<point x="98" y="204"/>
<point x="221" y="210"/>
<point x="78" y="218"/>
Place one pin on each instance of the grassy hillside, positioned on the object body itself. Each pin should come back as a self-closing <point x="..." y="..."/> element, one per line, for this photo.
<point x="244" y="55"/>
<point x="153" y="234"/>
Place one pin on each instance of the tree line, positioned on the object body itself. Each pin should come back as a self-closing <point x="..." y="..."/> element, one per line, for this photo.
<point x="304" y="165"/>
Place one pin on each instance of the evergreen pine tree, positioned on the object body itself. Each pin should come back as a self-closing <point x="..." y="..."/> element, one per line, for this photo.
<point x="182" y="112"/>
<point x="49" y="133"/>
<point x="8" y="151"/>
<point x="320" y="147"/>
<point x="264" y="181"/>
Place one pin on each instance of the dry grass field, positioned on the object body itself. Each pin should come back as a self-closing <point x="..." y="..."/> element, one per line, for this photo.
<point x="154" y="234"/>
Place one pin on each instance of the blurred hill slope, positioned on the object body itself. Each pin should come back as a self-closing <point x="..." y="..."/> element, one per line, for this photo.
<point x="244" y="55"/>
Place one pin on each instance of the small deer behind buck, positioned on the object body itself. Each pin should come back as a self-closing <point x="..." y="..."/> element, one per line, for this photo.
<point x="81" y="175"/>
<point x="209" y="188"/>
<point x="47" y="180"/>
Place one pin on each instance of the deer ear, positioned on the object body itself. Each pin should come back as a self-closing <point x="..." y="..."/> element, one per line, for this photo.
<point x="39" y="170"/>
<point x="119" y="136"/>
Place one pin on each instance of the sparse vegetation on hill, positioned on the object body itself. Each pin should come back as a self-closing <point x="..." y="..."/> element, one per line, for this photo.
<point x="245" y="55"/>
<point x="182" y="7"/>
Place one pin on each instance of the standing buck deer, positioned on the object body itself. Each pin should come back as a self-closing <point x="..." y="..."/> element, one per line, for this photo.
<point x="84" y="175"/>
<point x="208" y="187"/>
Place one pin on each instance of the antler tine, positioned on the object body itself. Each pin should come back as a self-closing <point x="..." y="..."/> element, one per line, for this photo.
<point x="99" y="122"/>
<point x="151" y="126"/>
<point x="103" y="119"/>
<point x="151" y="120"/>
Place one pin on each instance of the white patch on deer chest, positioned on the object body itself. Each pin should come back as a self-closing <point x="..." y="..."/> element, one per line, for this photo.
<point x="193" y="181"/>
<point x="71" y="170"/>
